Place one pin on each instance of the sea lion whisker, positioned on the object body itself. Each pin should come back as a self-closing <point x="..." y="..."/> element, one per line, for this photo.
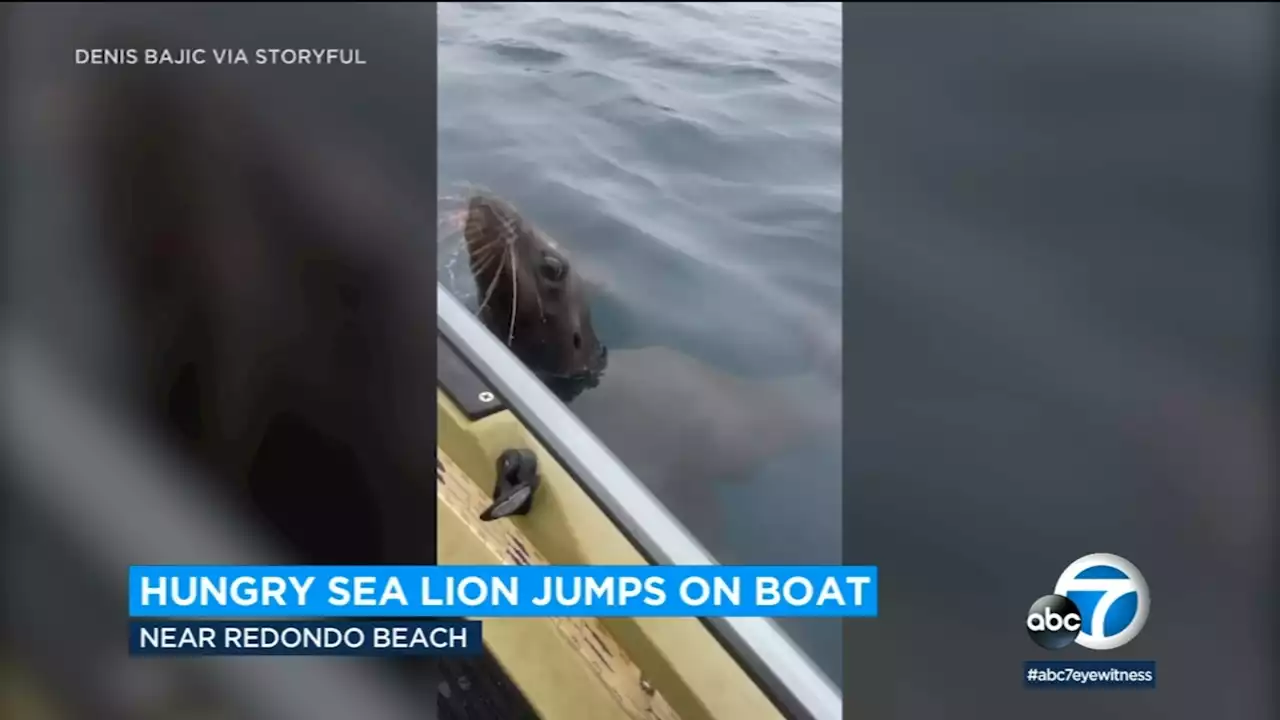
<point x="503" y="237"/>
<point x="479" y="258"/>
<point x="507" y="227"/>
<point x="515" y="299"/>
<point x="493" y="284"/>
<point x="483" y="244"/>
<point x="488" y="251"/>
<point x="486" y="266"/>
<point x="484" y="263"/>
<point x="483" y="249"/>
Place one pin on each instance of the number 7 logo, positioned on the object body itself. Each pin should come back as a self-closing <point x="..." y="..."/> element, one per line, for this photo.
<point x="1116" y="579"/>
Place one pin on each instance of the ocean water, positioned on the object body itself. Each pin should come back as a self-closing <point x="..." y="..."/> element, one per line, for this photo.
<point x="688" y="157"/>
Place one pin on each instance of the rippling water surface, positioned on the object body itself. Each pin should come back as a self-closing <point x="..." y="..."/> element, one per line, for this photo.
<point x="688" y="157"/>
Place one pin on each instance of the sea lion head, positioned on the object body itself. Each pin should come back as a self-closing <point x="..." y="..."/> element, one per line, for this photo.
<point x="532" y="298"/>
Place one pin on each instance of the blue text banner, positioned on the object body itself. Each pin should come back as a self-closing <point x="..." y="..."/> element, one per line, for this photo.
<point x="189" y="591"/>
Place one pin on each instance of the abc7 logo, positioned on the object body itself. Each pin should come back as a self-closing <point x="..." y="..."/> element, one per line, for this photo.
<point x="1053" y="622"/>
<point x="1116" y="606"/>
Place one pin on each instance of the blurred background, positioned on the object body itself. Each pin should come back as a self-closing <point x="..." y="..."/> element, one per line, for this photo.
<point x="1060" y="313"/>
<point x="218" y="344"/>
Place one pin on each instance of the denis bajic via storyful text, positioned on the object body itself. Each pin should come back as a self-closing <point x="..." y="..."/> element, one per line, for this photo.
<point x="219" y="56"/>
<point x="612" y="591"/>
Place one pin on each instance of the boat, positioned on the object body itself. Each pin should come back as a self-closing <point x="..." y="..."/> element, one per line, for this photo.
<point x="589" y="509"/>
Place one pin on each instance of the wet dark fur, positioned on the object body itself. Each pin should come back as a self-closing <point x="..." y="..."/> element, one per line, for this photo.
<point x="278" y="320"/>
<point x="532" y="298"/>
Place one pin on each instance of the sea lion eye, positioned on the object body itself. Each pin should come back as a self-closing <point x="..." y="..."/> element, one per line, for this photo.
<point x="553" y="268"/>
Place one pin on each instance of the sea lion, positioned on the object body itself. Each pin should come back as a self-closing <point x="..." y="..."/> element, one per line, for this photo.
<point x="532" y="298"/>
<point x="677" y="422"/>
